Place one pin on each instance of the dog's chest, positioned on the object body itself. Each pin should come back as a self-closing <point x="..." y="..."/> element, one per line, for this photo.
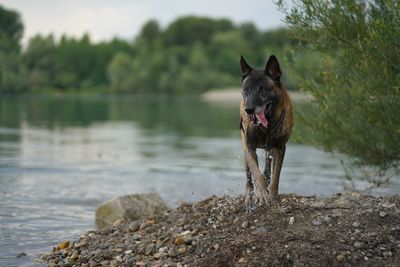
<point x="257" y="137"/>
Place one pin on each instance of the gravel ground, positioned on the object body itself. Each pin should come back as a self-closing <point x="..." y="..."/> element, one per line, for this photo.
<point x="343" y="230"/>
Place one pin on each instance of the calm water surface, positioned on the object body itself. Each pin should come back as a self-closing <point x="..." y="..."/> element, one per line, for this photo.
<point x="60" y="157"/>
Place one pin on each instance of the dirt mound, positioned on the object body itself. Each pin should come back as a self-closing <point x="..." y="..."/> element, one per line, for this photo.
<point x="348" y="229"/>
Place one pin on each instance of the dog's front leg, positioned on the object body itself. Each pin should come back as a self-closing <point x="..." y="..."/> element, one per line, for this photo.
<point x="249" y="189"/>
<point x="261" y="195"/>
<point x="267" y="169"/>
<point x="278" y="155"/>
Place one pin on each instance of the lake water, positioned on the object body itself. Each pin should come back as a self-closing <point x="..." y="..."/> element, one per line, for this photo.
<point x="60" y="157"/>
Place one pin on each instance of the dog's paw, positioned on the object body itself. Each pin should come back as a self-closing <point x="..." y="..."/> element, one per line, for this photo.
<point x="262" y="197"/>
<point x="273" y="195"/>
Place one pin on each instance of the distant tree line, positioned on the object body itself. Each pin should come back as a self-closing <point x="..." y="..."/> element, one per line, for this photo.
<point x="191" y="55"/>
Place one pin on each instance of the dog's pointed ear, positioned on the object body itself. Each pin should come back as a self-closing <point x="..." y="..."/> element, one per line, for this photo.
<point x="246" y="69"/>
<point x="272" y="69"/>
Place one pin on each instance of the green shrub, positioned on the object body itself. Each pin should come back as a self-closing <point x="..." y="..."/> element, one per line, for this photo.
<point x="356" y="85"/>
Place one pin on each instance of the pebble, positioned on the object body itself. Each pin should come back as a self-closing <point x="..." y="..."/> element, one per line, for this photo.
<point x="264" y="229"/>
<point x="328" y="220"/>
<point x="150" y="249"/>
<point x="372" y="234"/>
<point x="182" y="250"/>
<point x="80" y="244"/>
<point x="118" y="258"/>
<point x="159" y="255"/>
<point x="118" y="222"/>
<point x="172" y="252"/>
<point x="358" y="244"/>
<point x="236" y="220"/>
<point x="340" y="257"/>
<point x="129" y="261"/>
<point x="179" y="241"/>
<point x="62" y="245"/>
<point x="75" y="255"/>
<point x="291" y="220"/>
<point x="105" y="263"/>
<point x="318" y="204"/>
<point x="136" y="237"/>
<point x="134" y="226"/>
<point x="242" y="260"/>
<point x="388" y="205"/>
<point x="163" y="250"/>
<point x="244" y="224"/>
<point x="382" y="214"/>
<point x="144" y="225"/>
<point x="316" y="222"/>
<point x="356" y="224"/>
<point x="216" y="246"/>
<point x="44" y="257"/>
<point x="107" y="255"/>
<point x="187" y="232"/>
<point x="387" y="254"/>
<point x="22" y="254"/>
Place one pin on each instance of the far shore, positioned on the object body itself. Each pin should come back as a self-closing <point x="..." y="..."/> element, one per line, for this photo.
<point x="233" y="95"/>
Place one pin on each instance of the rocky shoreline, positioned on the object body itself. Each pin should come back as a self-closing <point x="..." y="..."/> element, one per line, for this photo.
<point x="343" y="230"/>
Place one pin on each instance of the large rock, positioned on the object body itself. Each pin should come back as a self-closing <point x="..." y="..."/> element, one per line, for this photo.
<point x="130" y="207"/>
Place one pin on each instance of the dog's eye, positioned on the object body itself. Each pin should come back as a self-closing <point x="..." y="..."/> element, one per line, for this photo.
<point x="246" y="90"/>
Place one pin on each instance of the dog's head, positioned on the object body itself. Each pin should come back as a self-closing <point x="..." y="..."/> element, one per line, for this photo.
<point x="261" y="90"/>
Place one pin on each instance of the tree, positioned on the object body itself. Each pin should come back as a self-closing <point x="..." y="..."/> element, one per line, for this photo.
<point x="357" y="88"/>
<point x="120" y="72"/>
<point x="40" y="62"/>
<point x="189" y="30"/>
<point x="150" y="32"/>
<point x="11" y="30"/>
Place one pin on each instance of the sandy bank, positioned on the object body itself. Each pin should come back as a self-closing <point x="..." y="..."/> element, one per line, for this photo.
<point x="233" y="95"/>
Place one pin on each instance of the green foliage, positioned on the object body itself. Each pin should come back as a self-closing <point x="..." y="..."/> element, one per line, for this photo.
<point x="192" y="55"/>
<point x="189" y="56"/>
<point x="356" y="85"/>
<point x="11" y="30"/>
<point x="189" y="30"/>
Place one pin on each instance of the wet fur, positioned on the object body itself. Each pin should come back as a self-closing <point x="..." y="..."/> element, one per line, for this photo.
<point x="265" y="82"/>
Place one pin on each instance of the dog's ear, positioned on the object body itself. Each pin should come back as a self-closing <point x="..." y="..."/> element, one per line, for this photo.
<point x="246" y="69"/>
<point x="272" y="69"/>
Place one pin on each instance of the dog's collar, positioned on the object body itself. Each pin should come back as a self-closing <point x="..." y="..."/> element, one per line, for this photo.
<point x="279" y="122"/>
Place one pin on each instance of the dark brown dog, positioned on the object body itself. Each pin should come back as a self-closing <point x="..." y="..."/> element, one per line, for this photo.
<point x="266" y="122"/>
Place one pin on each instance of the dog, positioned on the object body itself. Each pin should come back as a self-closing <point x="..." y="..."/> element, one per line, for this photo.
<point x="266" y="122"/>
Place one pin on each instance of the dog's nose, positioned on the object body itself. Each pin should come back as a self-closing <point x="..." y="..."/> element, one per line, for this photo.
<point x="249" y="111"/>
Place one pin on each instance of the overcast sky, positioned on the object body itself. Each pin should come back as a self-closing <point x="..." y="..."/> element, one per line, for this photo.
<point x="104" y="19"/>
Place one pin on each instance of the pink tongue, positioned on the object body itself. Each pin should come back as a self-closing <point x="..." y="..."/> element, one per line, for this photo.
<point x="261" y="117"/>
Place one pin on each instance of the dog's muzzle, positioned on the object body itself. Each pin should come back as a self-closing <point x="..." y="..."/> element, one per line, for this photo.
<point x="258" y="116"/>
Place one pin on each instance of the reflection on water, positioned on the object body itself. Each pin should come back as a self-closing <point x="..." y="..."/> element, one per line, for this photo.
<point x="60" y="157"/>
